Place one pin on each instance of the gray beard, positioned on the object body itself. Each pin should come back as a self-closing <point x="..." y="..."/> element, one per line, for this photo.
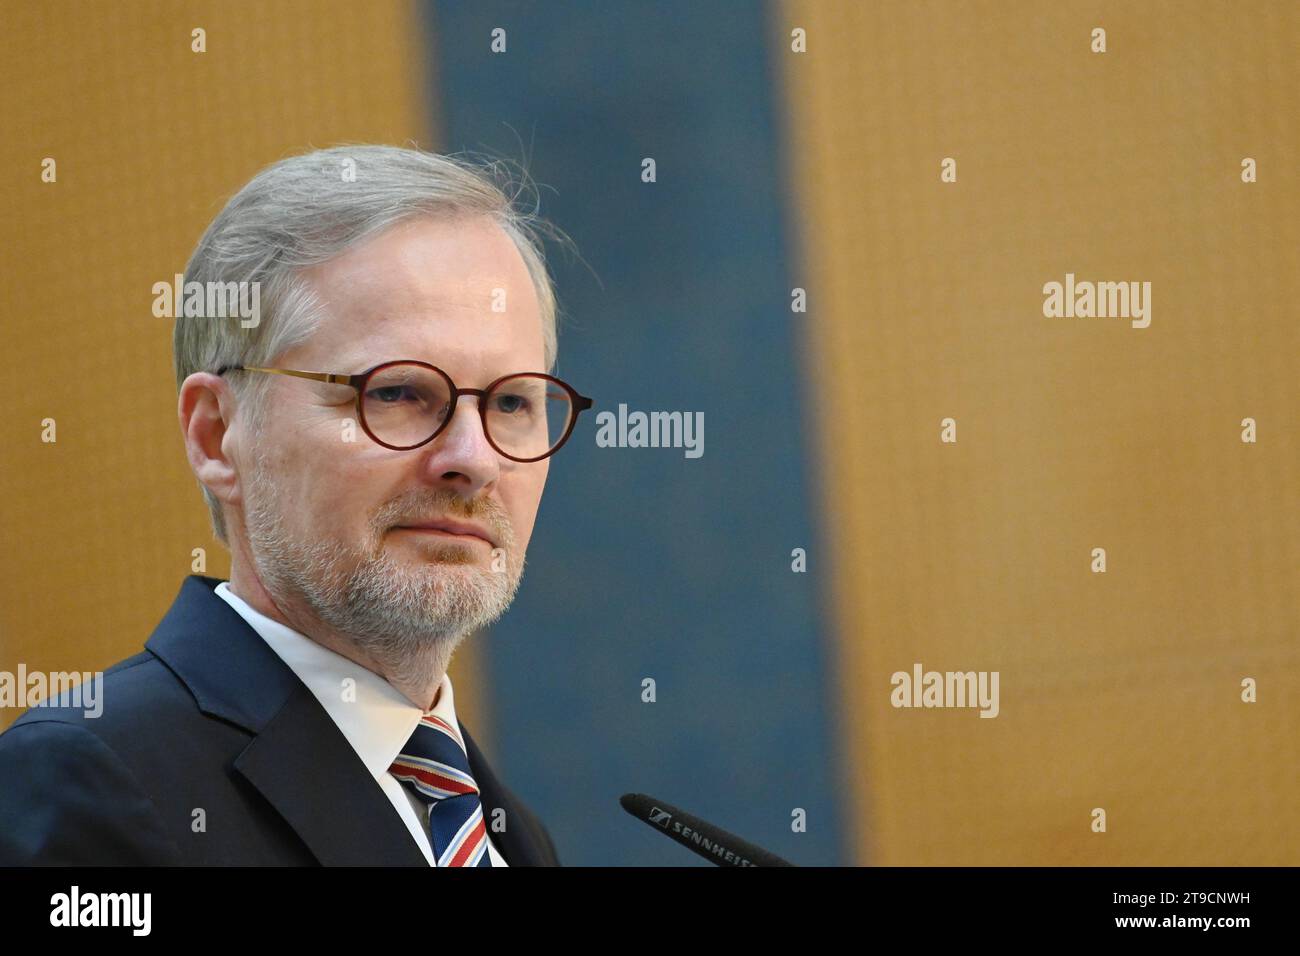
<point x="408" y="619"/>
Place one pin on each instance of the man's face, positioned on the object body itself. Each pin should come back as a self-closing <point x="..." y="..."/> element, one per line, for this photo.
<point x="329" y="513"/>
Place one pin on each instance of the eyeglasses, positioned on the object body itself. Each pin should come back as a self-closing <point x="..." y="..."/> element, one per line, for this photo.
<point x="405" y="404"/>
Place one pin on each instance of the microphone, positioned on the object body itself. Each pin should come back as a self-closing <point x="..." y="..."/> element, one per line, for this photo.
<point x="713" y="843"/>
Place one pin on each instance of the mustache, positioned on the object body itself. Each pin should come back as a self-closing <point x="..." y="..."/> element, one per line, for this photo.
<point x="426" y="505"/>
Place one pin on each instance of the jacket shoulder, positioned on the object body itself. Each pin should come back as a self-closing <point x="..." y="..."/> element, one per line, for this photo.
<point x="105" y="774"/>
<point x="138" y="695"/>
<point x="69" y="799"/>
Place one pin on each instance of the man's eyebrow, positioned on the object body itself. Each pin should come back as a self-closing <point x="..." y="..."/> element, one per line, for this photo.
<point x="345" y="366"/>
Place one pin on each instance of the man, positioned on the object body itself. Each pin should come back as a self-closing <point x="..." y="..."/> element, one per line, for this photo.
<point x="373" y="448"/>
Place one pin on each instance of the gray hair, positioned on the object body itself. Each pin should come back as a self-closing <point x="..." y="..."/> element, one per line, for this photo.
<point x="311" y="208"/>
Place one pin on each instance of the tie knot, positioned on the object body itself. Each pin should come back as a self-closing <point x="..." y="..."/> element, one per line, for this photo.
<point x="433" y="761"/>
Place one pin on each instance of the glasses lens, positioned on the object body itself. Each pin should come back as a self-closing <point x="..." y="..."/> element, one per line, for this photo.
<point x="527" y="415"/>
<point x="405" y="404"/>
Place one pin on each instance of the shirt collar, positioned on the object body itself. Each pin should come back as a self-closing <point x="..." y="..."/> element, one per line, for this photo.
<point x="376" y="718"/>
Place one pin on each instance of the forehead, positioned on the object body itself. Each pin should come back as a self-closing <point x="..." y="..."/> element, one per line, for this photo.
<point x="453" y="292"/>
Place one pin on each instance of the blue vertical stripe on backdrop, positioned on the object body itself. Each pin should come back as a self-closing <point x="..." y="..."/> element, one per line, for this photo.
<point x="646" y="564"/>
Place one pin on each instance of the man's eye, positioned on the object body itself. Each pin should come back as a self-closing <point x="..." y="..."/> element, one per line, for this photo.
<point x="511" y="404"/>
<point x="390" y="394"/>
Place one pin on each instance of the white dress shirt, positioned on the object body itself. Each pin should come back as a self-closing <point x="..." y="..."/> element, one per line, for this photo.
<point x="377" y="723"/>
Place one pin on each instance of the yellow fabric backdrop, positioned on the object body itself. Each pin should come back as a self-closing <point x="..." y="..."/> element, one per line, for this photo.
<point x="1118" y="690"/>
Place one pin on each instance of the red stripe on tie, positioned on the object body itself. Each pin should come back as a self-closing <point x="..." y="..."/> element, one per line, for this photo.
<point x="471" y="844"/>
<point x="432" y="779"/>
<point x="435" y="720"/>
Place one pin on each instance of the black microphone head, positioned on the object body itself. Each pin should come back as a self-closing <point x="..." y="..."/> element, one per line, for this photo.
<point x="634" y="803"/>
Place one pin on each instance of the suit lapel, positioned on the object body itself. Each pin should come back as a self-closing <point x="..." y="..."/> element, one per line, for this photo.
<point x="320" y="786"/>
<point x="298" y="759"/>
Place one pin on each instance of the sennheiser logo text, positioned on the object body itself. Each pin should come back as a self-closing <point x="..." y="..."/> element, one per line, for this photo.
<point x="716" y="849"/>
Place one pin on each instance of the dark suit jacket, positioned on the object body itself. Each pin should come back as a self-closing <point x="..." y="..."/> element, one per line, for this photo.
<point x="208" y="717"/>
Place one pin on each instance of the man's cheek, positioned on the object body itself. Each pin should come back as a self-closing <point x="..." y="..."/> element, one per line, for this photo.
<point x="323" y="509"/>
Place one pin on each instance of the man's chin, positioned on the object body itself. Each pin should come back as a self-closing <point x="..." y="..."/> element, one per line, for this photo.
<point x="440" y="581"/>
<point x="437" y="576"/>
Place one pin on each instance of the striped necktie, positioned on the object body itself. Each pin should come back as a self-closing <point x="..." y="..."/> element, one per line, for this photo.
<point x="434" y="763"/>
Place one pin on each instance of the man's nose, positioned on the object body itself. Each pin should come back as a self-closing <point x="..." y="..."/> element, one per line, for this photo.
<point x="461" y="457"/>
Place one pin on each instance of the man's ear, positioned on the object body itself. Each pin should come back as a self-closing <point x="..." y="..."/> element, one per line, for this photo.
<point x="206" y="408"/>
